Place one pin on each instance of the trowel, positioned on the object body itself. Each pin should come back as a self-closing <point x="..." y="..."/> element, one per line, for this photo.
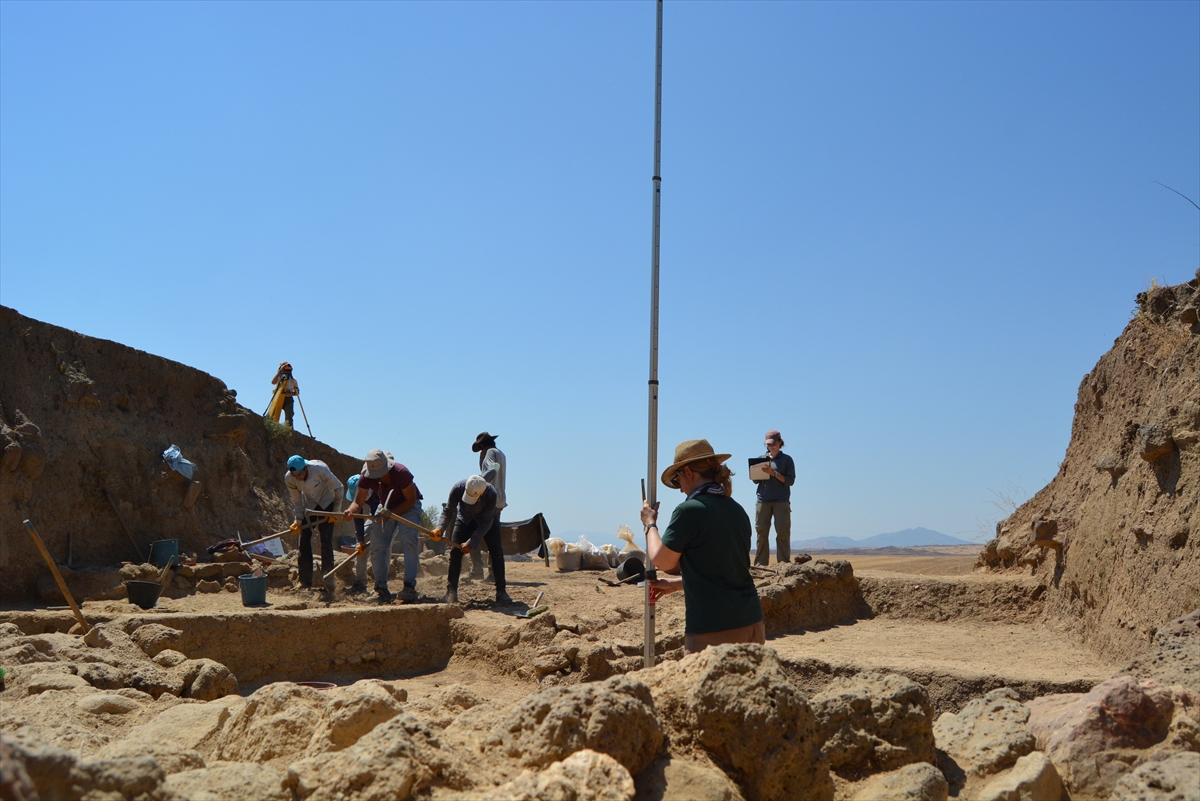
<point x="534" y="610"/>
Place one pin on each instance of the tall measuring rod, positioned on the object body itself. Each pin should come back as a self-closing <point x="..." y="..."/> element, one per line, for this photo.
<point x="652" y="427"/>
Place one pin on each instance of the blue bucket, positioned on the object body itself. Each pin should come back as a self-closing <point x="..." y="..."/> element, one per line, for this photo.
<point x="254" y="590"/>
<point x="162" y="551"/>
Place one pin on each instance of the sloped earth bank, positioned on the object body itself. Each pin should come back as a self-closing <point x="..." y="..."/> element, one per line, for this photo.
<point x="80" y="415"/>
<point x="1114" y="537"/>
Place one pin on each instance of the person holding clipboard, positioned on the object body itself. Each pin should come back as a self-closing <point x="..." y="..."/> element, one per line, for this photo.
<point x="774" y="474"/>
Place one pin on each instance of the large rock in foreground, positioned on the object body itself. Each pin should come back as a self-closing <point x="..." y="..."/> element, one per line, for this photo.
<point x="1095" y="738"/>
<point x="733" y="704"/>
<point x="874" y="722"/>
<point x="615" y="717"/>
<point x="988" y="735"/>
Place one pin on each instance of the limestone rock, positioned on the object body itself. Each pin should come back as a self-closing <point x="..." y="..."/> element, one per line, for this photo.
<point x="54" y="680"/>
<point x="1095" y="738"/>
<point x="1154" y="442"/>
<point x="874" y="722"/>
<point x="353" y="712"/>
<point x="735" y="705"/>
<point x="207" y="680"/>
<point x="1174" y="657"/>
<point x="203" y="585"/>
<point x="395" y="760"/>
<point x="917" y="782"/>
<point x="169" y="659"/>
<point x="988" y="735"/>
<point x="58" y="773"/>
<point x="154" y="638"/>
<point x="106" y="704"/>
<point x="1176" y="778"/>
<point x="230" y="781"/>
<point x="584" y="776"/>
<point x="671" y="779"/>
<point x="615" y="717"/>
<point x="446" y="705"/>
<point x="102" y="676"/>
<point x="275" y="724"/>
<point x="1033" y="778"/>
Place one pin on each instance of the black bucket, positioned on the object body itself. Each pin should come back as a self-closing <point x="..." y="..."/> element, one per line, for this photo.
<point x="143" y="593"/>
<point x="629" y="568"/>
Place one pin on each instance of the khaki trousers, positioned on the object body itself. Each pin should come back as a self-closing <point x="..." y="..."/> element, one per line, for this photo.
<point x="755" y="633"/>
<point x="782" y="512"/>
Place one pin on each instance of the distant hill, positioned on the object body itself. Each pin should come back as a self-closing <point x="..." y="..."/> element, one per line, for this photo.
<point x="908" y="538"/>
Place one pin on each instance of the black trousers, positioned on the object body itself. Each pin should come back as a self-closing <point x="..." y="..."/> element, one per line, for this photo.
<point x="289" y="409"/>
<point x="306" y="553"/>
<point x="495" y="548"/>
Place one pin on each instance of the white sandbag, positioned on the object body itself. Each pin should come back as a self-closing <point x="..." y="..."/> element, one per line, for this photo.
<point x="592" y="557"/>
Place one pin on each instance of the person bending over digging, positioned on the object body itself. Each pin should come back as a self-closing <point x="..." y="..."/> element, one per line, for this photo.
<point x="382" y="475"/>
<point x="312" y="482"/>
<point x="708" y="539"/>
<point x="473" y="505"/>
<point x="360" y="534"/>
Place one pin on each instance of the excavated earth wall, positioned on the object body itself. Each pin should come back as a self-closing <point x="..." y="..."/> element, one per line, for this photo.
<point x="79" y="415"/>
<point x="1114" y="537"/>
<point x="310" y="645"/>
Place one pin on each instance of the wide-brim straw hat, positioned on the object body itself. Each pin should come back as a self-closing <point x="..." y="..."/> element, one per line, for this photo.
<point x="692" y="450"/>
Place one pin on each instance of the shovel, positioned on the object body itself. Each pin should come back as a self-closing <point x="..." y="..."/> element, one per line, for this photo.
<point x="163" y="575"/>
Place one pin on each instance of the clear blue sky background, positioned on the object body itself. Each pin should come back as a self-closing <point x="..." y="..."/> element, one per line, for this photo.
<point x="899" y="232"/>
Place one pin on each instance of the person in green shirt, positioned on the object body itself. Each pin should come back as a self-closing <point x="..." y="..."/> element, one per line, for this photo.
<point x="707" y="543"/>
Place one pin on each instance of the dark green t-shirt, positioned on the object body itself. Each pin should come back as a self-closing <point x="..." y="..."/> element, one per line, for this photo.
<point x="712" y="534"/>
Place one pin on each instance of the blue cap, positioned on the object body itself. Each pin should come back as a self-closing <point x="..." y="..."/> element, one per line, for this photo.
<point x="297" y="463"/>
<point x="351" y="487"/>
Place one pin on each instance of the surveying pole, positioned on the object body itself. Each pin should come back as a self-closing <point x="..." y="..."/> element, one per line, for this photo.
<point x="652" y="428"/>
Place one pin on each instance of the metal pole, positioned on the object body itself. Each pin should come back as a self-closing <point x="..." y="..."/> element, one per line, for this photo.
<point x="652" y="428"/>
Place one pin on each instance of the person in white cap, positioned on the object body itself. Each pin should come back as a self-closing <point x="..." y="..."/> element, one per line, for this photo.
<point x="392" y="482"/>
<point x="475" y="518"/>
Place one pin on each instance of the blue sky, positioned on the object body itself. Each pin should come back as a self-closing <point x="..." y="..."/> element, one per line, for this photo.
<point x="901" y="233"/>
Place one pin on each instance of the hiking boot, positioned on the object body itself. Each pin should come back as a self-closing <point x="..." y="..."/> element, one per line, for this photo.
<point x="385" y="597"/>
<point x="451" y="596"/>
<point x="477" y="574"/>
<point x="358" y="588"/>
<point x="502" y="598"/>
<point x="409" y="594"/>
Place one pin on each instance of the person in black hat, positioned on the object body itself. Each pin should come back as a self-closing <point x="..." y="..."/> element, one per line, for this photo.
<point x="493" y="467"/>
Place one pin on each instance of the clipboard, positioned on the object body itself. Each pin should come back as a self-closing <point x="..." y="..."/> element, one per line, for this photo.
<point x="758" y="468"/>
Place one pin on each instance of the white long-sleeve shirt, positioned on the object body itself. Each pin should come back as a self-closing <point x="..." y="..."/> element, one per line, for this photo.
<point x="321" y="488"/>
<point x="494" y="466"/>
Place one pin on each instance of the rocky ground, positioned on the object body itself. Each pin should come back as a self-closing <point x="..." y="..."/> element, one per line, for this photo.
<point x="888" y="703"/>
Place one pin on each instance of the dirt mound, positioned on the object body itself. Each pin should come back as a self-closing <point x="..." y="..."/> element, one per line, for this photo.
<point x="1114" y="536"/>
<point x="80" y="415"/>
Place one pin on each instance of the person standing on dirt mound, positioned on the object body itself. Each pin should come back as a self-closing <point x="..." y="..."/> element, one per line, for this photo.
<point x="493" y="467"/>
<point x="290" y="390"/>
<point x="312" y="482"/>
<point x="471" y="509"/>
<point x="394" y="483"/>
<point x="775" y="500"/>
<point x="708" y="540"/>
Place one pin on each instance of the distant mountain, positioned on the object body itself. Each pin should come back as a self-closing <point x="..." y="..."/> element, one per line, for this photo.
<point x="908" y="538"/>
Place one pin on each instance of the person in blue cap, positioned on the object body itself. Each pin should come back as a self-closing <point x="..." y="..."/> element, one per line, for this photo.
<point x="360" y="533"/>
<point x="311" y="484"/>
